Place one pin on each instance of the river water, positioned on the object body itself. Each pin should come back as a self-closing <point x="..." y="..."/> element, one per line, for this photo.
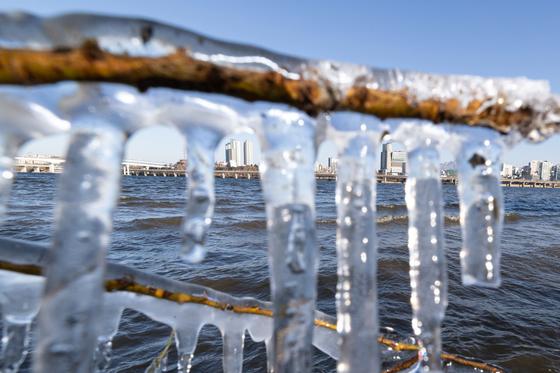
<point x="516" y="326"/>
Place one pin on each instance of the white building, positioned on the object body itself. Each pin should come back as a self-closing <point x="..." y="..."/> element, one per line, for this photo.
<point x="248" y="153"/>
<point x="507" y="170"/>
<point x="534" y="170"/>
<point x="398" y="162"/>
<point x="545" y="170"/>
<point x="234" y="153"/>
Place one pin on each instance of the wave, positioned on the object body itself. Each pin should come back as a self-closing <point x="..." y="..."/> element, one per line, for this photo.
<point x="130" y="201"/>
<point x="153" y="223"/>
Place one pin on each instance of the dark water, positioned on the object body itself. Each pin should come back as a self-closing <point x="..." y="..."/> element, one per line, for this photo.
<point x="516" y="326"/>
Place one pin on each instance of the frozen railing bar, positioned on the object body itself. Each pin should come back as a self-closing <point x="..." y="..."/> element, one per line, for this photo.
<point x="148" y="54"/>
<point x="22" y="257"/>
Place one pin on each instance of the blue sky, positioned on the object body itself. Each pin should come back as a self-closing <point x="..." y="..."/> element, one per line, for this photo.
<point x="488" y="38"/>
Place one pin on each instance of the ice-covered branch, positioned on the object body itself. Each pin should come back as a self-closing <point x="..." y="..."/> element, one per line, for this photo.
<point x="147" y="54"/>
<point x="27" y="259"/>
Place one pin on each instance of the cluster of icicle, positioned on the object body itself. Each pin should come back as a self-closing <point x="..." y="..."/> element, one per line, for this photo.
<point x="100" y="117"/>
<point x="74" y="316"/>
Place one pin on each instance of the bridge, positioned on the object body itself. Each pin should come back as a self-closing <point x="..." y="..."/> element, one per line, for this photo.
<point x="46" y="164"/>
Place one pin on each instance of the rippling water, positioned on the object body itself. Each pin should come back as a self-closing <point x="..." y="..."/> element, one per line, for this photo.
<point x="516" y="326"/>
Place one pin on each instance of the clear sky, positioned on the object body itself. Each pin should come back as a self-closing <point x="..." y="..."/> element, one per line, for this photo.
<point x="488" y="38"/>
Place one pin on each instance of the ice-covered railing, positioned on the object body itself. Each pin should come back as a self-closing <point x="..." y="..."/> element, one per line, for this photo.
<point x="183" y="306"/>
<point x="87" y="69"/>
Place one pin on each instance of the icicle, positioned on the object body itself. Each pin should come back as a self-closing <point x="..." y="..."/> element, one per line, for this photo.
<point x="185" y="340"/>
<point x="8" y="150"/>
<point x="233" y="350"/>
<point x="19" y="296"/>
<point x="201" y="144"/>
<point x="481" y="203"/>
<point x="112" y="311"/>
<point x="356" y="242"/>
<point x="22" y="120"/>
<point x="88" y="192"/>
<point x="288" y="183"/>
<point x="204" y="124"/>
<point x="428" y="270"/>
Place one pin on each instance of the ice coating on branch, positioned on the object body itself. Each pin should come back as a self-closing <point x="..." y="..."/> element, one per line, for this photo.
<point x="478" y="154"/>
<point x="204" y="124"/>
<point x="288" y="181"/>
<point x="20" y="295"/>
<point x="539" y="110"/>
<point x="22" y="119"/>
<point x="357" y="137"/>
<point x="428" y="270"/>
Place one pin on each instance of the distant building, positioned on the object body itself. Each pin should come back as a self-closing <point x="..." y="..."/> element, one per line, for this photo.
<point x="234" y="153"/>
<point x="556" y="173"/>
<point x="386" y="150"/>
<point x="545" y="170"/>
<point x="533" y="170"/>
<point x="248" y="153"/>
<point x="507" y="171"/>
<point x="332" y="164"/>
<point x="398" y="162"/>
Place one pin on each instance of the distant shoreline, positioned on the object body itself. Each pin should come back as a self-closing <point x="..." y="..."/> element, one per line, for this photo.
<point x="381" y="178"/>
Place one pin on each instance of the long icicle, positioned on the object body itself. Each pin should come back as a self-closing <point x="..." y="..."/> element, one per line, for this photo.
<point x="201" y="144"/>
<point x="482" y="211"/>
<point x="356" y="242"/>
<point x="233" y="350"/>
<point x="72" y="301"/>
<point x="22" y="120"/>
<point x="428" y="269"/>
<point x="288" y="182"/>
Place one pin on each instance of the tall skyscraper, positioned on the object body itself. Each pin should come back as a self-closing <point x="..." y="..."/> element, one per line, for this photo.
<point x="234" y="153"/>
<point x="545" y="170"/>
<point x="386" y="151"/>
<point x="248" y="153"/>
<point x="534" y="170"/>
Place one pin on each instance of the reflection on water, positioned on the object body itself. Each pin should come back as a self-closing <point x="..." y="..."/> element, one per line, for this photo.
<point x="515" y="326"/>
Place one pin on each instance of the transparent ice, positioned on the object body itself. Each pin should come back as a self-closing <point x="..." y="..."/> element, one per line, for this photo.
<point x="288" y="181"/>
<point x="357" y="137"/>
<point x="482" y="206"/>
<point x="20" y="295"/>
<point x="203" y="124"/>
<point x="428" y="269"/>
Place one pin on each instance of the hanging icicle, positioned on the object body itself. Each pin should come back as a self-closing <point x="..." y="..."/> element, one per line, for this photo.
<point x="288" y="181"/>
<point x="233" y="350"/>
<point x="22" y="120"/>
<point x="19" y="299"/>
<point x="203" y="124"/>
<point x="357" y="137"/>
<point x="481" y="203"/>
<point x="88" y="192"/>
<point x="428" y="270"/>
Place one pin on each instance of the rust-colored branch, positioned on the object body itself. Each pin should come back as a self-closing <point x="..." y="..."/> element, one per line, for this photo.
<point x="313" y="94"/>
